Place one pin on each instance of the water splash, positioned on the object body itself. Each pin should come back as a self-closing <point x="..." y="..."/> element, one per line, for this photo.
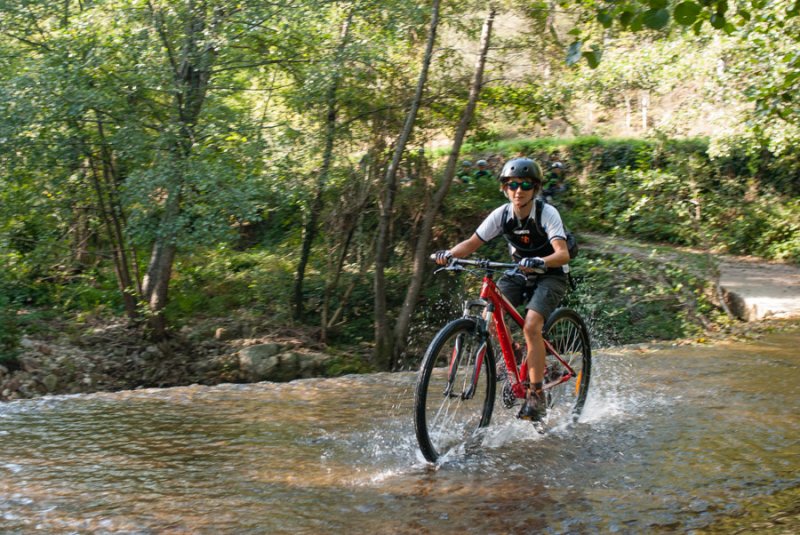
<point x="654" y="450"/>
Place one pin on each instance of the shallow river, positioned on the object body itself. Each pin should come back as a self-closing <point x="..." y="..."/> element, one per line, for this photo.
<point x="681" y="439"/>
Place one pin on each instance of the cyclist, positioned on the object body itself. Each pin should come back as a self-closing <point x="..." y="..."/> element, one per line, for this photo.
<point x="482" y="171"/>
<point x="541" y="280"/>
<point x="556" y="182"/>
<point x="465" y="173"/>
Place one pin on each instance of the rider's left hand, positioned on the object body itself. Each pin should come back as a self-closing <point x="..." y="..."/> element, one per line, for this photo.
<point x="533" y="265"/>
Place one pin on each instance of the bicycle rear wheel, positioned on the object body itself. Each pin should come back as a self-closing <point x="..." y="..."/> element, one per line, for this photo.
<point x="450" y="404"/>
<point x="567" y="333"/>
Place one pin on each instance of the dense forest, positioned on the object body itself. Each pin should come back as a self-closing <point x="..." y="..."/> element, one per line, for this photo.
<point x="166" y="162"/>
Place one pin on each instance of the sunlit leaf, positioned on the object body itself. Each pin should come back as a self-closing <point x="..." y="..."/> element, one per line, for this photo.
<point x="605" y="19"/>
<point x="625" y="18"/>
<point x="593" y="57"/>
<point x="655" y="19"/>
<point x="718" y="21"/>
<point x="686" y="13"/>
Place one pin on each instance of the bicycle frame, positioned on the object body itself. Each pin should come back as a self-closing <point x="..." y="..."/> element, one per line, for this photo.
<point x="496" y="305"/>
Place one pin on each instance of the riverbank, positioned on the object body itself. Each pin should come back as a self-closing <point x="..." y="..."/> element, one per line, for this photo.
<point x="112" y="358"/>
<point x="58" y="357"/>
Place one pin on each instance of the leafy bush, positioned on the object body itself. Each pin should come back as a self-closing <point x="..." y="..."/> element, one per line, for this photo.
<point x="741" y="201"/>
<point x="628" y="300"/>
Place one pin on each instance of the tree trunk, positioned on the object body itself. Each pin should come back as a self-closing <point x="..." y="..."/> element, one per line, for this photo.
<point x="645" y="102"/>
<point x="162" y="256"/>
<point x="81" y="234"/>
<point x="120" y="264"/>
<point x="628" y="113"/>
<point x="383" y="335"/>
<point x="311" y="228"/>
<point x="192" y="74"/>
<point x="403" y="324"/>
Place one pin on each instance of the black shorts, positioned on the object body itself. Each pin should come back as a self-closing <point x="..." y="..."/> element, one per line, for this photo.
<point x="543" y="293"/>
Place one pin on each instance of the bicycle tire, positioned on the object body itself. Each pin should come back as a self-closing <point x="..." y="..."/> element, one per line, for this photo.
<point x="443" y="418"/>
<point x="567" y="333"/>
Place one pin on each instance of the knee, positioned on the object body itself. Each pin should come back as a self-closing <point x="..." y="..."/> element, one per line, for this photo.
<point x="534" y="322"/>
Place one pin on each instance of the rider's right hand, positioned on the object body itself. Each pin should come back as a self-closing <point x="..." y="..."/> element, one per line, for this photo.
<point x="443" y="258"/>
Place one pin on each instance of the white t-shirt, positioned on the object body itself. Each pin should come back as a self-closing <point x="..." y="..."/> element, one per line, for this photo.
<point x="503" y="221"/>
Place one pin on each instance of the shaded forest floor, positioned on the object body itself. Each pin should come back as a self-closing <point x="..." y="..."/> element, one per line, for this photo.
<point x="67" y="357"/>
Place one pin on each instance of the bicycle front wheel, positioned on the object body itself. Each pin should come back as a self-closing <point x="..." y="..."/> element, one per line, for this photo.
<point x="455" y="388"/>
<point x="567" y="333"/>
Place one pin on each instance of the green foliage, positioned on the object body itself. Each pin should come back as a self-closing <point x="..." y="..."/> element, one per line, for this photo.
<point x="98" y="119"/>
<point x="663" y="190"/>
<point x="219" y="280"/>
<point x="94" y="290"/>
<point x="633" y="203"/>
<point x="9" y="325"/>
<point x="344" y="364"/>
<point x="764" y="35"/>
<point x="628" y="300"/>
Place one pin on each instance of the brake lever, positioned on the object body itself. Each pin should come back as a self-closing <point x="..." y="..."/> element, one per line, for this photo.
<point x="450" y="268"/>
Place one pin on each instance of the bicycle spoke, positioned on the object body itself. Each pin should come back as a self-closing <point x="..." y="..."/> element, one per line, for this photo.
<point x="570" y="340"/>
<point x="449" y="407"/>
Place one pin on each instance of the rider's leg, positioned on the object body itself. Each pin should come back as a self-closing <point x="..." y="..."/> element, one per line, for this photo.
<point x="546" y="297"/>
<point x="534" y="322"/>
<point x="535" y="406"/>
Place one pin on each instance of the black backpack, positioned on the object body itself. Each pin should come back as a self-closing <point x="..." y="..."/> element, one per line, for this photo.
<point x="572" y="242"/>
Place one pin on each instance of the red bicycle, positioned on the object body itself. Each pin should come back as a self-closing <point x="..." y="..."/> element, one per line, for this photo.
<point x="457" y="380"/>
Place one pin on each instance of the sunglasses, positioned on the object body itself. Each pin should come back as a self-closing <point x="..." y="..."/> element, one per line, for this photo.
<point x="526" y="186"/>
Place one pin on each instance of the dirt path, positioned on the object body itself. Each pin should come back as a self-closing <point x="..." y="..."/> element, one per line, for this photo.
<point x="758" y="290"/>
<point x="752" y="288"/>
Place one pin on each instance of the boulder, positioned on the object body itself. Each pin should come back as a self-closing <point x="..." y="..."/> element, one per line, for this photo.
<point x="50" y="382"/>
<point x="271" y="362"/>
<point x="258" y="362"/>
<point x="306" y="364"/>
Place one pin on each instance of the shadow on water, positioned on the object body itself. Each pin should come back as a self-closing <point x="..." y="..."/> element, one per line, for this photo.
<point x="676" y="439"/>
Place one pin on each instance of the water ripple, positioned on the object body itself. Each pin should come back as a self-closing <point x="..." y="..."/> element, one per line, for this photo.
<point x="672" y="440"/>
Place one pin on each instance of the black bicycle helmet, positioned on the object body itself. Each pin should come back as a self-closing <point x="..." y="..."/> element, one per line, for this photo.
<point x="521" y="168"/>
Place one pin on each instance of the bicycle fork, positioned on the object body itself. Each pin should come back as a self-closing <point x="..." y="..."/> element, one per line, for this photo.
<point x="455" y="362"/>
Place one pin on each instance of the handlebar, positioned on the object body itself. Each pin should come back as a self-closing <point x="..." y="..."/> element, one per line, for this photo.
<point x="480" y="263"/>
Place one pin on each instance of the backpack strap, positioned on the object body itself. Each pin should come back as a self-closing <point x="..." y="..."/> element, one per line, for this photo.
<point x="539" y="208"/>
